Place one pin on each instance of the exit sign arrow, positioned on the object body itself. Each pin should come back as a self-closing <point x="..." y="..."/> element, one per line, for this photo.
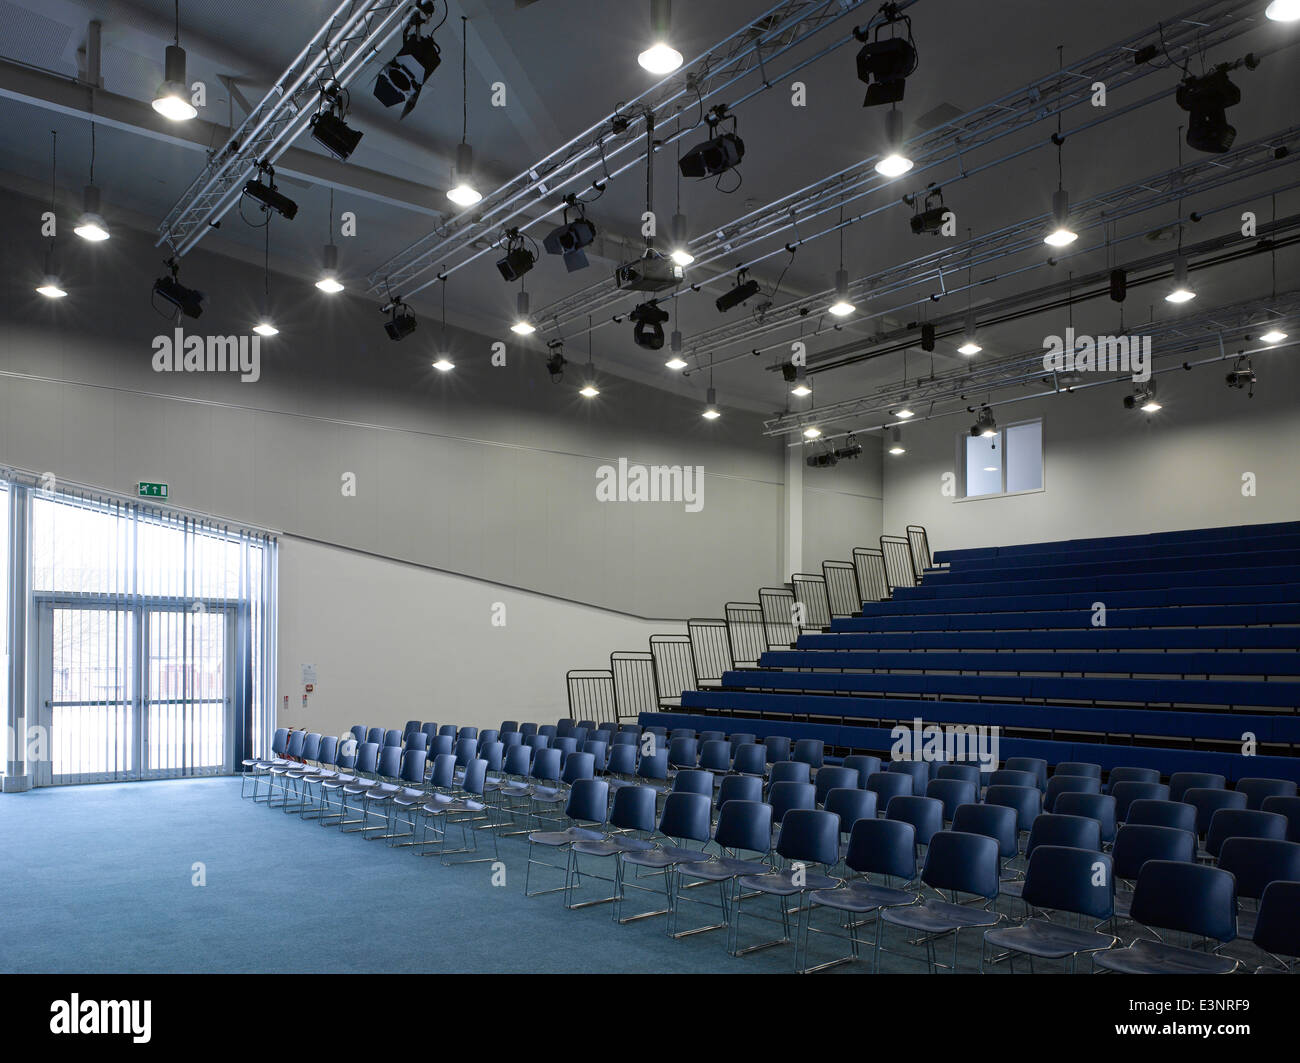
<point x="148" y="490"/>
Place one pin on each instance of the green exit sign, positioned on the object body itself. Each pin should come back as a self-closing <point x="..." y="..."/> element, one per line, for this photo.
<point x="148" y="490"/>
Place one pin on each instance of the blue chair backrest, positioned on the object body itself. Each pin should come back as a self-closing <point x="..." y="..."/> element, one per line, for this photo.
<point x="711" y="736"/>
<point x="865" y="765"/>
<point x="784" y="796"/>
<point x="467" y="732"/>
<point x="297" y="740"/>
<point x="653" y="768"/>
<point x="510" y="739"/>
<point x="441" y="744"/>
<point x="1078" y="767"/>
<point x="1131" y="774"/>
<point x="1288" y="807"/>
<point x="1076" y="784"/>
<point x="1136" y="843"/>
<point x="599" y="750"/>
<point x="1242" y="823"/>
<point x="359" y="732"/>
<point x="694" y="781"/>
<point x="682" y="752"/>
<point x="1064" y="879"/>
<point x="494" y="754"/>
<point x="546" y="765"/>
<point x="368" y="757"/>
<point x="1125" y="793"/>
<point x="851" y="805"/>
<point x="742" y="738"/>
<point x="566" y="745"/>
<point x="412" y="770"/>
<point x="778" y="748"/>
<point x="1100" y="807"/>
<point x="509" y="727"/>
<point x="588" y="801"/>
<point x="430" y="729"/>
<point x="750" y="759"/>
<point x="345" y="753"/>
<point x="1277" y="928"/>
<point x="537" y="741"/>
<point x="809" y="834"/>
<point x="329" y="750"/>
<point x="466" y="750"/>
<point x="448" y="729"/>
<point x="549" y="730"/>
<point x="965" y="772"/>
<point x="951" y="793"/>
<point x="790" y="771"/>
<point x="634" y="808"/>
<point x="579" y="734"/>
<point x="1035" y="766"/>
<point x="417" y="740"/>
<point x="681" y="732"/>
<point x="1193" y="898"/>
<point x="686" y="816"/>
<point x="564" y="728"/>
<point x="1255" y="862"/>
<point x="882" y="847"/>
<point x="527" y="729"/>
<point x="1256" y="790"/>
<point x="411" y="725"/>
<point x="917" y="770"/>
<point x="1156" y="813"/>
<point x="1026" y="800"/>
<point x="1182" y="781"/>
<point x="998" y="822"/>
<point x="475" y="777"/>
<point x="311" y="747"/>
<point x="962" y="863"/>
<point x="1013" y="777"/>
<point x="810" y="751"/>
<point x="376" y="735"/>
<point x="887" y="785"/>
<point x="390" y="761"/>
<point x="1074" y="832"/>
<point x="519" y="760"/>
<point x="740" y="788"/>
<point x="622" y="760"/>
<point x="834" y="777"/>
<point x="578" y="766"/>
<point x="491" y="734"/>
<point x="393" y="737"/>
<point x="626" y="738"/>
<point x="1208" y="801"/>
<point x="744" y="825"/>
<point x="924" y="813"/>
<point x="715" y="755"/>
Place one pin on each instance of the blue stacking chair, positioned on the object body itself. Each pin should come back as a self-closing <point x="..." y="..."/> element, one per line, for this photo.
<point x="1288" y="807"/>
<point x="509" y="727"/>
<point x="865" y="765"/>
<point x="394" y="737"/>
<point x="625" y="738"/>
<point x="1208" y="801"/>
<point x="744" y="826"/>
<point x="1256" y="790"/>
<point x="411" y="727"/>
<point x="810" y="751"/>
<point x="377" y="791"/>
<point x="1125" y="793"/>
<point x="653" y="771"/>
<point x="1193" y="899"/>
<point x="686" y="818"/>
<point x="1073" y="832"/>
<point x="1065" y="881"/>
<point x="786" y="796"/>
<point x="403" y="795"/>
<point x="365" y="772"/>
<point x="295" y="777"/>
<point x="1182" y="781"/>
<point x="682" y="753"/>
<point x="742" y="738"/>
<point x="1082" y="768"/>
<point x="1026" y="800"/>
<point x="376" y="735"/>
<point x="681" y="732"/>
<point x="279" y="769"/>
<point x="467" y="808"/>
<point x="750" y="759"/>
<point x="1100" y="807"/>
<point x="577" y="766"/>
<point x="543" y="776"/>
<point x="620" y="765"/>
<point x="834" y="777"/>
<point x="256" y="768"/>
<point x="588" y="809"/>
<point x="1157" y="813"/>
<point x="924" y="813"/>
<point x="778" y="748"/>
<point x="713" y="736"/>
<point x="917" y="770"/>
<point x="951" y="793"/>
<point x="715" y="755"/>
<point x="1277" y="927"/>
<point x="1242" y="823"/>
<point x="1035" y="766"/>
<point x="1069" y="784"/>
<point x="599" y="751"/>
<point x="527" y="729"/>
<point x="790" y="771"/>
<point x="961" y="864"/>
<point x="998" y="822"/>
<point x="1130" y="774"/>
<point x="887" y="785"/>
<point x="632" y="823"/>
<point x="417" y="740"/>
<point x="809" y="839"/>
<point x="1135" y="844"/>
<point x="1255" y="863"/>
<point x="1014" y="777"/>
<point x="694" y="781"/>
<point x="327" y="765"/>
<point x="881" y="847"/>
<point x="964" y="772"/>
<point x="739" y="788"/>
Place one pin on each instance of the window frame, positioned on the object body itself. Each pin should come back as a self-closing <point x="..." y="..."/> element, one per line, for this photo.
<point x="963" y="443"/>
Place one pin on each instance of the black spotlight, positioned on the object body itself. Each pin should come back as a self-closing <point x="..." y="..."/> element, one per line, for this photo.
<point x="1118" y="285"/>
<point x="187" y="300"/>
<point x="556" y="362"/>
<point x="825" y="460"/>
<point x="569" y="240"/>
<point x="401" y="322"/>
<point x="884" y="66"/>
<point x="852" y="449"/>
<point x="789" y="372"/>
<point x="649" y="331"/>
<point x="927" y="337"/>
<point x="1241" y="377"/>
<point x="717" y="155"/>
<point x="737" y="295"/>
<point x="1206" y="99"/>
<point x="518" y="259"/>
<point x="331" y="132"/>
<point x="403" y="76"/>
<point x="266" y="193"/>
<point x="929" y="219"/>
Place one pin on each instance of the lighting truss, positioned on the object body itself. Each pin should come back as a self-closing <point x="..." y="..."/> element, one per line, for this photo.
<point x="1205" y="26"/>
<point x="336" y="54"/>
<point x="596" y="156"/>
<point x="1215" y="326"/>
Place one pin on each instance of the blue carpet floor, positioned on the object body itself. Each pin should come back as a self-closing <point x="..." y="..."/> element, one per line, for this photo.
<point x="102" y="877"/>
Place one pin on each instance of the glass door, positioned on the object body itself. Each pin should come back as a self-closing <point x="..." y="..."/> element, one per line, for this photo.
<point x="186" y="700"/>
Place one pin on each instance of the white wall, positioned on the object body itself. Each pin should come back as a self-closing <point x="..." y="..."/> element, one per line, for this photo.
<point x="393" y="642"/>
<point x="1111" y="471"/>
<point x="843" y="507"/>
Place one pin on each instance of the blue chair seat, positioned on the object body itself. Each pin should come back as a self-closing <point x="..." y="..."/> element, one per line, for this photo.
<point x="437" y="804"/>
<point x="668" y="856"/>
<point x="939" y="917"/>
<point x="548" y="794"/>
<point x="863" y="897"/>
<point x="1156" y="957"/>
<point x="611" y="846"/>
<point x="407" y="798"/>
<point x="781" y="883"/>
<point x="517" y="790"/>
<point x="1050" y="941"/>
<point x="463" y="804"/>
<point x="723" y="868"/>
<point x="557" y="838"/>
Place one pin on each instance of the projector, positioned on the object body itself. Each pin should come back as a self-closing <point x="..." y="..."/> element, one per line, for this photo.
<point x="929" y="221"/>
<point x="652" y="272"/>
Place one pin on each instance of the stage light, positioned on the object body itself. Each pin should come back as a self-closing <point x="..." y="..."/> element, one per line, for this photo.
<point x="331" y="132"/>
<point x="404" y="76"/>
<point x="1241" y="378"/>
<point x="172" y="100"/>
<point x="1143" y="399"/>
<point x="518" y="259"/>
<point x="1061" y="235"/>
<point x="825" y="460"/>
<point x="401" y="322"/>
<point x="932" y="216"/>
<point x="801" y="390"/>
<point x="985" y="424"/>
<point x="1206" y="99"/>
<point x="329" y="278"/>
<point x="51" y="288"/>
<point x="729" y="300"/>
<point x="556" y="362"/>
<point x="842" y="306"/>
<point x="884" y="66"/>
<point x="1182" y="291"/>
<point x="523" y="325"/>
<point x="1273" y="336"/>
<point x="271" y="198"/>
<point x="462" y="192"/>
<point x="649" y="320"/>
<point x="1283" y="10"/>
<point x="717" y="155"/>
<point x="711" y="411"/>
<point x="652" y="272"/>
<point x="1118" y="285"/>
<point x="569" y="240"/>
<point x="187" y="300"/>
<point x="895" y="162"/>
<point x="675" y="363"/>
<point x="851" y="449"/>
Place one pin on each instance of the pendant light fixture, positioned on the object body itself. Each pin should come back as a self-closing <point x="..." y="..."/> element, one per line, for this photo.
<point x="264" y="327"/>
<point x="661" y="57"/>
<point x="681" y="252"/>
<point x="896" y="447"/>
<point x="589" y="390"/>
<point x="523" y="325"/>
<point x="676" y="363"/>
<point x="172" y="100"/>
<point x="711" y="411"/>
<point x="1060" y="235"/>
<point x="842" y="305"/>
<point x="92" y="226"/>
<point x="50" y="286"/>
<point x="329" y="281"/>
<point x="1181" y="291"/>
<point x="896" y="161"/>
<point x="443" y="362"/>
<point x="463" y="191"/>
<point x="970" y="345"/>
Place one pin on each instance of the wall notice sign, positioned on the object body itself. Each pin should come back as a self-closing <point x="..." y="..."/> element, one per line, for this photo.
<point x="309" y="675"/>
<point x="151" y="490"/>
